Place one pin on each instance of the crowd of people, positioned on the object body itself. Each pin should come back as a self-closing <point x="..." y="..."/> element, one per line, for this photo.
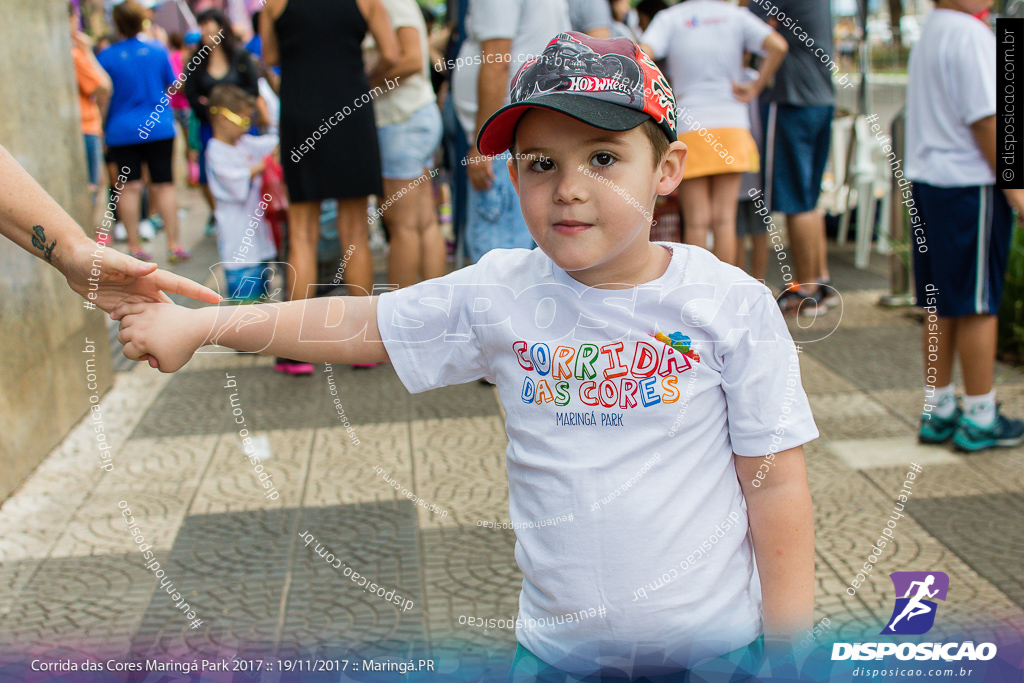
<point x="307" y="66"/>
<point x="755" y="102"/>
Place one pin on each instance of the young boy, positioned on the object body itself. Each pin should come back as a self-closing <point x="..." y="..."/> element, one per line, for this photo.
<point x="960" y="223"/>
<point x="651" y="392"/>
<point x="234" y="161"/>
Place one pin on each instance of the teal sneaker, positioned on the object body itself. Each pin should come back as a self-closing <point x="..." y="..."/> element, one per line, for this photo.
<point x="1002" y="432"/>
<point x="935" y="429"/>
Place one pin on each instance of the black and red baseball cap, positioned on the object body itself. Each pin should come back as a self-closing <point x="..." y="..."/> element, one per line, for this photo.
<point x="608" y="83"/>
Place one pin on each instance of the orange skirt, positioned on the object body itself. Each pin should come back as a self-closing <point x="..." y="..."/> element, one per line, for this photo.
<point x="719" y="150"/>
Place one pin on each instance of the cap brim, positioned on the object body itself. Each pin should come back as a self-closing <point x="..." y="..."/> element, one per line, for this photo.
<point x="496" y="135"/>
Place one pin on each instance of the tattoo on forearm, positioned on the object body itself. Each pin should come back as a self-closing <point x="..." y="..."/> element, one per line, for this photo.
<point x="39" y="242"/>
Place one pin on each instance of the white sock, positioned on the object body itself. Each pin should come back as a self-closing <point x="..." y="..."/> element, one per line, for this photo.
<point x="943" y="399"/>
<point x="981" y="409"/>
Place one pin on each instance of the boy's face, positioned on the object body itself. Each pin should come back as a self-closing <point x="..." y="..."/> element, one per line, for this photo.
<point x="569" y="176"/>
<point x="231" y="125"/>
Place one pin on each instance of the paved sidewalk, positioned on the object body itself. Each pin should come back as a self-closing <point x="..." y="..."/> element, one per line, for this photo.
<point x="73" y="582"/>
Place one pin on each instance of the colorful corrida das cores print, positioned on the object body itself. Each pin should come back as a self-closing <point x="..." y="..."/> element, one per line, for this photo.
<point x="592" y="375"/>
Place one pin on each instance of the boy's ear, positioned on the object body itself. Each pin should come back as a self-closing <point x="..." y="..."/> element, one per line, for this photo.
<point x="670" y="170"/>
<point x="513" y="172"/>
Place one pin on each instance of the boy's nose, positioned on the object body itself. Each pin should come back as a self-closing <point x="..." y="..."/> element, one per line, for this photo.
<point x="571" y="187"/>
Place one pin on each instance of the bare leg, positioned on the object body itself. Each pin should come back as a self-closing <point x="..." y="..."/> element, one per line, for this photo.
<point x="941" y="369"/>
<point x="434" y="253"/>
<point x="724" y="189"/>
<point x="976" y="347"/>
<point x="303" y="237"/>
<point x="129" y="207"/>
<point x="823" y="253"/>
<point x="695" y="198"/>
<point x="403" y="227"/>
<point x="806" y="231"/>
<point x="165" y="199"/>
<point x="354" y="232"/>
<point x="208" y="196"/>
<point x="759" y="255"/>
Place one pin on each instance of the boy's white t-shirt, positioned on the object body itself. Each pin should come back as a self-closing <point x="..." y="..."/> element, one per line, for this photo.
<point x="238" y="198"/>
<point x="640" y="490"/>
<point x="704" y="41"/>
<point x="951" y="84"/>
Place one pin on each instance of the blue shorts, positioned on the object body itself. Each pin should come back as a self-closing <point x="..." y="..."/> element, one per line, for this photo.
<point x="407" y="148"/>
<point x="961" y="262"/>
<point x="529" y="668"/>
<point x="796" y="143"/>
<point x="736" y="666"/>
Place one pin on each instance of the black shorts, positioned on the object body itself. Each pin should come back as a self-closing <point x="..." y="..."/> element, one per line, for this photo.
<point x="961" y="245"/>
<point x="157" y="155"/>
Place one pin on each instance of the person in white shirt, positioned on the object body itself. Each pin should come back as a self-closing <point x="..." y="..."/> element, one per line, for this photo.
<point x="501" y="35"/>
<point x="409" y="131"/>
<point x="652" y="394"/>
<point x="235" y="163"/>
<point x="703" y="42"/>
<point x="960" y="223"/>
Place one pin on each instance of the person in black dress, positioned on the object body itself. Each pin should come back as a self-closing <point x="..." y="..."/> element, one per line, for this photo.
<point x="328" y="133"/>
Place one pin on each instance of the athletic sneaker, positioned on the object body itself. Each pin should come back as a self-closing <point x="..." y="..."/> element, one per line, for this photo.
<point x="831" y="297"/>
<point x="935" y="429"/>
<point x="1002" y="432"/>
<point x="147" y="231"/>
<point x="815" y="303"/>
<point x="179" y="255"/>
<point x="793" y="301"/>
<point x="293" y="367"/>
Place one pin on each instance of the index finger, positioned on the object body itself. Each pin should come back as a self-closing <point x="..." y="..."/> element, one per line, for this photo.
<point x="176" y="284"/>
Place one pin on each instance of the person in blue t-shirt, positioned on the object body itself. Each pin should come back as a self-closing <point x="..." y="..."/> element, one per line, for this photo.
<point x="140" y="126"/>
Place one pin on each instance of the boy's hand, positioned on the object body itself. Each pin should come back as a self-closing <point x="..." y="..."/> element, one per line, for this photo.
<point x="257" y="169"/>
<point x="164" y="334"/>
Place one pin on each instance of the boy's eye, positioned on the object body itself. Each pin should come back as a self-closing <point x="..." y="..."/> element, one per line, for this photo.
<point x="542" y="164"/>
<point x="603" y="159"/>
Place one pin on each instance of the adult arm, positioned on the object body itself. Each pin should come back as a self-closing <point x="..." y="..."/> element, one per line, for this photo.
<point x="492" y="85"/>
<point x="272" y="9"/>
<point x="324" y="330"/>
<point x="379" y="24"/>
<point x="593" y="17"/>
<point x="31" y="218"/>
<point x="192" y="93"/>
<point x="92" y="78"/>
<point x="782" y="531"/>
<point x="410" y="56"/>
<point x="984" y="131"/>
<point x="775" y="48"/>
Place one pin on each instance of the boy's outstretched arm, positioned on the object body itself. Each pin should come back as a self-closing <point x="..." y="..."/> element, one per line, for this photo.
<point x="329" y="329"/>
<point x="782" y="530"/>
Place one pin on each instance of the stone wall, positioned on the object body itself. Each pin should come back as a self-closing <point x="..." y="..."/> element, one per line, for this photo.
<point x="43" y="325"/>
